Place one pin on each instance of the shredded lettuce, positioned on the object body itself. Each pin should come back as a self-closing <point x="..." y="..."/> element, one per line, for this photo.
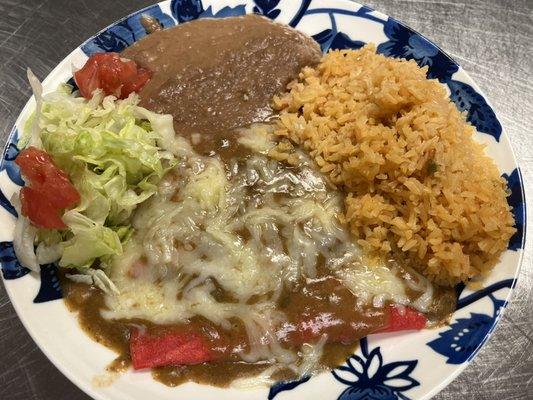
<point x="89" y="241"/>
<point x="32" y="137"/>
<point x="115" y="154"/>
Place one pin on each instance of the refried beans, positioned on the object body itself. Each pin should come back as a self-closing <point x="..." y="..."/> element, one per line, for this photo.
<point x="213" y="75"/>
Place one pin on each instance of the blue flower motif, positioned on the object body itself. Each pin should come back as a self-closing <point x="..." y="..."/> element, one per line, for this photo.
<point x="479" y="113"/>
<point x="377" y="392"/>
<point x="6" y="204"/>
<point x="420" y="49"/>
<point x="8" y="162"/>
<point x="329" y="39"/>
<point x="224" y="12"/>
<point x="284" y="386"/>
<point x="267" y="8"/>
<point x="406" y="43"/>
<point x="302" y="11"/>
<point x="50" y="288"/>
<point x="333" y="39"/>
<point x="461" y="341"/>
<point x="186" y="10"/>
<point x="114" y="39"/>
<point x="516" y="200"/>
<point x="11" y="268"/>
<point x="122" y="34"/>
<point x="369" y="378"/>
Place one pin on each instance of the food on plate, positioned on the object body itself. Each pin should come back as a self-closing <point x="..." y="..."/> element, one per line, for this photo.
<point x="216" y="225"/>
<point x="416" y="181"/>
<point x="97" y="160"/>
<point x="217" y="74"/>
<point x="112" y="74"/>
<point x="48" y="190"/>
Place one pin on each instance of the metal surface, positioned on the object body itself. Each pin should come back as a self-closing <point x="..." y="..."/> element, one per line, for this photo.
<point x="492" y="40"/>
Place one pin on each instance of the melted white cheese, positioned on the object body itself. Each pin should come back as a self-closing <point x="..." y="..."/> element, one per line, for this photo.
<point x="252" y="230"/>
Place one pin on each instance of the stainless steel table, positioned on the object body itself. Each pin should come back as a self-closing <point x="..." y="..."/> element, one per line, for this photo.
<point x="492" y="40"/>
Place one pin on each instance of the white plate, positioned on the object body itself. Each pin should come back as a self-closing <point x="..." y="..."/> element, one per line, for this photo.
<point x="387" y="366"/>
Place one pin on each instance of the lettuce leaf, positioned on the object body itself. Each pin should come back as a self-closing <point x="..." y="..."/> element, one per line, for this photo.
<point x="113" y="156"/>
<point x="89" y="241"/>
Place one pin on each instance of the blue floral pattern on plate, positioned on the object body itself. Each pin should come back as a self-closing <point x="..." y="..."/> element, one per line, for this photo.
<point x="8" y="162"/>
<point x="11" y="268"/>
<point x="517" y="202"/>
<point x="125" y="32"/>
<point x="460" y="342"/>
<point x="332" y="39"/>
<point x="187" y="10"/>
<point x="406" y="43"/>
<point x="50" y="288"/>
<point x="369" y="378"/>
<point x="478" y="111"/>
<point x="267" y="8"/>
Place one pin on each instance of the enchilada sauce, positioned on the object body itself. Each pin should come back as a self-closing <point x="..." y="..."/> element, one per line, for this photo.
<point x="322" y="307"/>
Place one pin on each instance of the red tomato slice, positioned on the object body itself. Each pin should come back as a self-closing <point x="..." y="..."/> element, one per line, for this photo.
<point x="32" y="163"/>
<point x="172" y="348"/>
<point x="48" y="190"/>
<point x="40" y="210"/>
<point x="135" y="85"/>
<point x="404" y="319"/>
<point x="114" y="75"/>
<point x="43" y="176"/>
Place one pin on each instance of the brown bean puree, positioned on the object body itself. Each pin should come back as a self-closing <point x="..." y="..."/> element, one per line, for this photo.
<point x="218" y="74"/>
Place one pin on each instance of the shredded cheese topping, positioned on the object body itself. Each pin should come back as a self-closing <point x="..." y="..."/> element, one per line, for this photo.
<point x="250" y="227"/>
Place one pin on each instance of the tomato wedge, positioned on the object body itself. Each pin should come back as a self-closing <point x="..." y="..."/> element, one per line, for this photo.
<point x="114" y="75"/>
<point x="48" y="190"/>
